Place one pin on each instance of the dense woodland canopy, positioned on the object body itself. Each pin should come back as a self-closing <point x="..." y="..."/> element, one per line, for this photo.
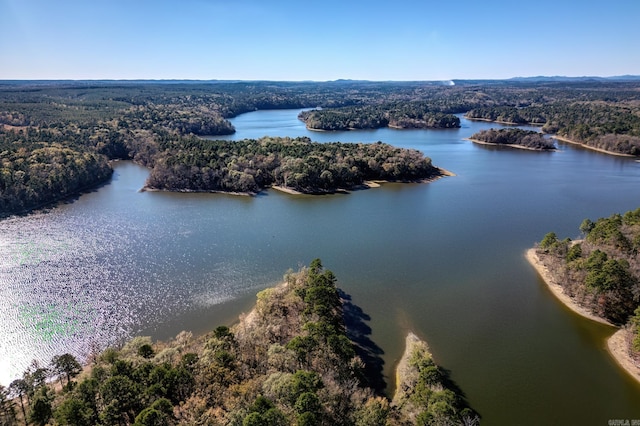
<point x="251" y="165"/>
<point x="604" y="125"/>
<point x="290" y="361"/>
<point x="34" y="172"/>
<point x="404" y="115"/>
<point x="601" y="272"/>
<point x="78" y="126"/>
<point x="518" y="137"/>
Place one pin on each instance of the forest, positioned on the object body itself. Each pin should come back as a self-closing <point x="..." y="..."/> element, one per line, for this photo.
<point x="289" y="361"/>
<point x="609" y="126"/>
<point x="518" y="137"/>
<point x="406" y="115"/>
<point x="602" y="271"/>
<point x="250" y="166"/>
<point x="77" y="127"/>
<point x="34" y="172"/>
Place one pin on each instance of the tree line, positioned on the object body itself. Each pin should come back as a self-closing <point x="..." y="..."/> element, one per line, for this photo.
<point x="601" y="272"/>
<point x="611" y="127"/>
<point x="525" y="138"/>
<point x="99" y="121"/>
<point x="250" y="165"/>
<point x="406" y="115"/>
<point x="57" y="138"/>
<point x="33" y="172"/>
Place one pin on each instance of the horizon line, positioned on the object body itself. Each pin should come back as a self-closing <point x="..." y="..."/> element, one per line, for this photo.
<point x="536" y="77"/>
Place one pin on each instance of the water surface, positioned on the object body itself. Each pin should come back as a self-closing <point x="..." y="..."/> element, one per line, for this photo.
<point x="444" y="260"/>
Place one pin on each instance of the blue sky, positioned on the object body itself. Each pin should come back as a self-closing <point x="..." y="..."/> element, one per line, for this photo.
<point x="316" y="40"/>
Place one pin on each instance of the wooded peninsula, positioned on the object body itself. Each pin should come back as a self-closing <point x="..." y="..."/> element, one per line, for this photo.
<point x="294" y="359"/>
<point x="600" y="274"/>
<point x="517" y="138"/>
<point x="608" y="124"/>
<point x="57" y="138"/>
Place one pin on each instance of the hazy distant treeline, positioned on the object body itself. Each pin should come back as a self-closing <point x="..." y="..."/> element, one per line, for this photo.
<point x="94" y="122"/>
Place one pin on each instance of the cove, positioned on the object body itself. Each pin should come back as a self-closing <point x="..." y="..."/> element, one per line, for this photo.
<point x="444" y="260"/>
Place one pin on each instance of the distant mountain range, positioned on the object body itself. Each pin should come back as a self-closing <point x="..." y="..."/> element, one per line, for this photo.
<point x="541" y="79"/>
<point x="534" y="79"/>
<point x="584" y="78"/>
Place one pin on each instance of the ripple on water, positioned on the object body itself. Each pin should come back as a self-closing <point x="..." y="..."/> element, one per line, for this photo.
<point x="69" y="283"/>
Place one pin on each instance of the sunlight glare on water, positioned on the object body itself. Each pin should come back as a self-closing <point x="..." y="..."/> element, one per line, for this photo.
<point x="444" y="260"/>
<point x="77" y="284"/>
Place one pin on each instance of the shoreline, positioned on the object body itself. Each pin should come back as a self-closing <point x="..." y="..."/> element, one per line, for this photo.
<point x="510" y="145"/>
<point x="592" y="148"/>
<point x="286" y="190"/>
<point x="618" y="348"/>
<point x="616" y="344"/>
<point x="388" y="126"/>
<point x="506" y="123"/>
<point x="60" y="199"/>
<point x="366" y="185"/>
<point x="557" y="289"/>
<point x="402" y="370"/>
<point x="369" y="184"/>
<point x="559" y="138"/>
<point x="195" y="191"/>
<point x="446" y="172"/>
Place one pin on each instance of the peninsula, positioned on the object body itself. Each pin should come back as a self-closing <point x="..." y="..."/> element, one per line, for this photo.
<point x="514" y="138"/>
<point x="598" y="277"/>
<point x="288" y="361"/>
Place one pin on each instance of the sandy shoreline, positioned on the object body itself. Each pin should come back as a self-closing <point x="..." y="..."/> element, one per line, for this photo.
<point x="506" y="123"/>
<point x="403" y="365"/>
<point x="291" y="191"/>
<point x="619" y="350"/>
<point x="510" y="145"/>
<point x="366" y="185"/>
<point x="389" y="126"/>
<point x="319" y="130"/>
<point x="286" y="190"/>
<point x="193" y="191"/>
<point x="557" y="289"/>
<point x="406" y="375"/>
<point x="616" y="344"/>
<point x="560" y="138"/>
<point x="604" y="151"/>
<point x="446" y="172"/>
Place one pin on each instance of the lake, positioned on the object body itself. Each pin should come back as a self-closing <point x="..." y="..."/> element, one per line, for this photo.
<point x="444" y="260"/>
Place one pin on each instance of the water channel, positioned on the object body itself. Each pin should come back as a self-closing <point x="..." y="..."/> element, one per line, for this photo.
<point x="444" y="260"/>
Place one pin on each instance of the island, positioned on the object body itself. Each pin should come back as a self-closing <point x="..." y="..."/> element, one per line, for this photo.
<point x="599" y="278"/>
<point x="610" y="125"/>
<point x="288" y="361"/>
<point x="514" y="138"/>
<point x="407" y="115"/>
<point x="294" y="165"/>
